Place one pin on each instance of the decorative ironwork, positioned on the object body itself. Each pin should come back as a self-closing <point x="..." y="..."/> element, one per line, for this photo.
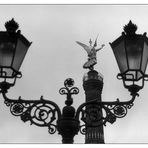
<point x="95" y="114"/>
<point x="68" y="90"/>
<point x="68" y="126"/>
<point x="45" y="113"/>
<point x="39" y="112"/>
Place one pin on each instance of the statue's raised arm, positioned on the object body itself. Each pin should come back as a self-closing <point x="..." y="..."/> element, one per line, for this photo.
<point x="100" y="47"/>
<point x="91" y="51"/>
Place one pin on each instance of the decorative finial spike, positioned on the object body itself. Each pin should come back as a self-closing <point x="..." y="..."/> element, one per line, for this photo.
<point x="11" y="26"/>
<point x="130" y="28"/>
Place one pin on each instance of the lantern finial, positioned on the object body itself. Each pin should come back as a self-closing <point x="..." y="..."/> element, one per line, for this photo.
<point x="11" y="25"/>
<point x="130" y="28"/>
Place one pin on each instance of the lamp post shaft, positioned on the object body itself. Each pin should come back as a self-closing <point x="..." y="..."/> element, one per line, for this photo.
<point x="68" y="126"/>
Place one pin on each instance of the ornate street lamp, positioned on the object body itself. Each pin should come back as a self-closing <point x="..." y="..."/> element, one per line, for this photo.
<point x="13" y="48"/>
<point x="131" y="52"/>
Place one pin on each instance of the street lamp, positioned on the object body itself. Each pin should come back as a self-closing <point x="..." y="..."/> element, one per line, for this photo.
<point x="13" y="48"/>
<point x="131" y="52"/>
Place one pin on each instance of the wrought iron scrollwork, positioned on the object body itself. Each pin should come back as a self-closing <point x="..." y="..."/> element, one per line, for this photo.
<point x="68" y="90"/>
<point x="95" y="114"/>
<point x="52" y="128"/>
<point x="39" y="112"/>
<point x="47" y="113"/>
<point x="83" y="129"/>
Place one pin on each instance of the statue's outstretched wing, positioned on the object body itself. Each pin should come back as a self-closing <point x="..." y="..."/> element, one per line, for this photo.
<point x="87" y="48"/>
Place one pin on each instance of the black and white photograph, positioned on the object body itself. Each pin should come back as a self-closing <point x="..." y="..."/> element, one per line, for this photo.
<point x="73" y="74"/>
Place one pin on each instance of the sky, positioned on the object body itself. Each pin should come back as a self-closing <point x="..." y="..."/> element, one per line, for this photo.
<point x="55" y="56"/>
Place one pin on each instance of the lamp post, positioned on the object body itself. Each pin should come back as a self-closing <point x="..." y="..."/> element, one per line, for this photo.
<point x="131" y="52"/>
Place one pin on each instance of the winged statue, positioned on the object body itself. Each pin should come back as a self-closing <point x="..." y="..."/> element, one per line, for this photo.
<point x="92" y="53"/>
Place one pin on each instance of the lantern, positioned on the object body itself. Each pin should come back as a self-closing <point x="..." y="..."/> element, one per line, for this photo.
<point x="131" y="53"/>
<point x="13" y="48"/>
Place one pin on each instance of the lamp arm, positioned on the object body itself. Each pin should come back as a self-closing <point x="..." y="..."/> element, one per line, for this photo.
<point x="118" y="102"/>
<point x="39" y="112"/>
<point x="95" y="113"/>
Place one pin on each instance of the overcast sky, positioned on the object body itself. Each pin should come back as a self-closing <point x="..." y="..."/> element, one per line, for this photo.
<point x="55" y="56"/>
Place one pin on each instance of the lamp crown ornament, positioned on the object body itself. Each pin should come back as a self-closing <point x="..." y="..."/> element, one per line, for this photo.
<point x="130" y="28"/>
<point x="12" y="25"/>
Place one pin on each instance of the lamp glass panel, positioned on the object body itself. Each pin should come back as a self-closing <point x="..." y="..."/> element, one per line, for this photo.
<point x="7" y="48"/>
<point x="145" y="57"/>
<point x="139" y="75"/>
<point x="130" y="75"/>
<point x="133" y="75"/>
<point x="8" y="71"/>
<point x="20" y="53"/>
<point x="120" y="54"/>
<point x="6" y="53"/>
<point x="134" y="50"/>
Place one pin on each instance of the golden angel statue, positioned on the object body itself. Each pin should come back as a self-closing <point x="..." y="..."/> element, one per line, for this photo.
<point x="92" y="53"/>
